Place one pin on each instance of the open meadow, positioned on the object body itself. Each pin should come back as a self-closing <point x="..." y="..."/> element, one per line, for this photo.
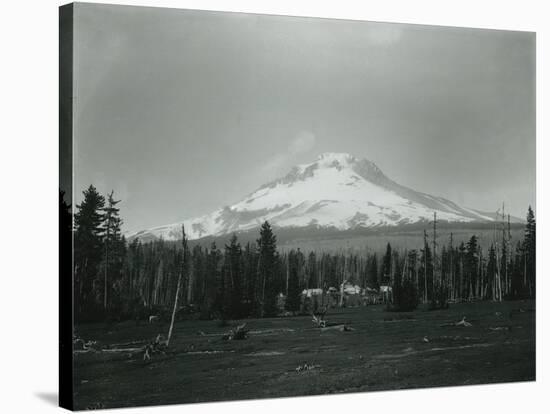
<point x="290" y="356"/>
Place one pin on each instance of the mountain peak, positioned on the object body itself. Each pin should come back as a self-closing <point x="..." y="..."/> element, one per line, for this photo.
<point x="336" y="156"/>
<point x="337" y="190"/>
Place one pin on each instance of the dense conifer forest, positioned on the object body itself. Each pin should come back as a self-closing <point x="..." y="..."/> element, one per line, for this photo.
<point x="119" y="279"/>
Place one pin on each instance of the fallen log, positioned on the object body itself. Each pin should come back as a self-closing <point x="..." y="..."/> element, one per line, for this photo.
<point x="462" y="322"/>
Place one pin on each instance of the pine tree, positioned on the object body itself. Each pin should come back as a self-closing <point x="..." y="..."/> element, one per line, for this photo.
<point x="199" y="276"/>
<point x="215" y="289"/>
<point x="113" y="246"/>
<point x="387" y="266"/>
<point x="518" y="288"/>
<point x="312" y="271"/>
<point x="88" y="251"/>
<point x="267" y="270"/>
<point x="233" y="271"/>
<point x="293" y="297"/>
<point x="250" y="279"/>
<point x="373" y="272"/>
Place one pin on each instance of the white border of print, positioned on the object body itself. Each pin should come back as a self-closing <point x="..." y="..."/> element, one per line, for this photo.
<point x="28" y="207"/>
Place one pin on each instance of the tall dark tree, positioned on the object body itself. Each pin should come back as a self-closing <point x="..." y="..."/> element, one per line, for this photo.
<point x="295" y="259"/>
<point x="198" y="260"/>
<point x="373" y="280"/>
<point x="88" y="251"/>
<point x="405" y="293"/>
<point x="233" y="272"/>
<point x="113" y="246"/>
<point x="250" y="279"/>
<point x="267" y="270"/>
<point x="312" y="271"/>
<point x="387" y="266"/>
<point x="518" y="286"/>
<point x="215" y="289"/>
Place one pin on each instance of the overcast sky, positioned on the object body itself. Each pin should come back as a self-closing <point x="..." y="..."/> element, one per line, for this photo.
<point x="181" y="112"/>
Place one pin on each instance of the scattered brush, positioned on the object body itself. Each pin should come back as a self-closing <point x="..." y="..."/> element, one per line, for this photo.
<point x="306" y="367"/>
<point x="319" y="321"/>
<point x="81" y="345"/>
<point x="157" y="346"/>
<point x="239" y="333"/>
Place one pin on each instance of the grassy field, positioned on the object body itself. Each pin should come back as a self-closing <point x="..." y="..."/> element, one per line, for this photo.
<point x="384" y="351"/>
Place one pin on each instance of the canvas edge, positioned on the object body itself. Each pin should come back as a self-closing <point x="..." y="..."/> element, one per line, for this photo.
<point x="66" y="370"/>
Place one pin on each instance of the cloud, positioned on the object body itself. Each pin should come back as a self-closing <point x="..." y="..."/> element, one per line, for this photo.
<point x="302" y="143"/>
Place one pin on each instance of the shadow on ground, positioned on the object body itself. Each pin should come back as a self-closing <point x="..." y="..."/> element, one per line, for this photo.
<point x="48" y="397"/>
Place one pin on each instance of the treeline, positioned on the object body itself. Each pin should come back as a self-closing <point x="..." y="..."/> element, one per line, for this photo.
<point x="117" y="279"/>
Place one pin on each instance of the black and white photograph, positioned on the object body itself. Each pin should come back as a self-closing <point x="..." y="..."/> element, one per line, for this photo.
<point x="258" y="206"/>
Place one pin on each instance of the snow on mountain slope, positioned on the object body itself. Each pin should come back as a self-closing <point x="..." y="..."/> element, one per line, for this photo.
<point x="336" y="191"/>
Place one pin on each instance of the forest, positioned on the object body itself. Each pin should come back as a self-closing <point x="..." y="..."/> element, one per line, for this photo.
<point x="117" y="279"/>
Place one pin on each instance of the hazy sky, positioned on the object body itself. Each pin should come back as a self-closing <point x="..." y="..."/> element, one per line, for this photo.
<point x="181" y="112"/>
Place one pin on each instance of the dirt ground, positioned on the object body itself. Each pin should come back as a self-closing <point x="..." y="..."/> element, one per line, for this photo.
<point x="384" y="351"/>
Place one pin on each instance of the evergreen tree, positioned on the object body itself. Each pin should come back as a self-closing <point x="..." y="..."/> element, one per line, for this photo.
<point x="88" y="251"/>
<point x="267" y="270"/>
<point x="215" y="290"/>
<point x="518" y="287"/>
<point x="134" y="273"/>
<point x="373" y="272"/>
<point x="312" y="271"/>
<point x="387" y="266"/>
<point x="233" y="271"/>
<point x="405" y="294"/>
<point x="293" y="298"/>
<point x="251" y="286"/>
<point x="113" y="246"/>
<point x="199" y="276"/>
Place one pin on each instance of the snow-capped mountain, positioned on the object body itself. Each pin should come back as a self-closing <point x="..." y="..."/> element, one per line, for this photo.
<point x="336" y="191"/>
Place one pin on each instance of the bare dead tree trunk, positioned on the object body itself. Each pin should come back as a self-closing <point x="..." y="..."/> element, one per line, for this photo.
<point x="498" y="279"/>
<point x="190" y="282"/>
<point x="174" y="310"/>
<point x="180" y="277"/>
<point x="425" y="268"/>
